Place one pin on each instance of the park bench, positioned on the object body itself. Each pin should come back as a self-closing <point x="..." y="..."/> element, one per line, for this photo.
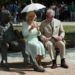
<point x="15" y="48"/>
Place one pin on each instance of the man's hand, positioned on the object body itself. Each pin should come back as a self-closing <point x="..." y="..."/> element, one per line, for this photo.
<point x="45" y="39"/>
<point x="58" y="38"/>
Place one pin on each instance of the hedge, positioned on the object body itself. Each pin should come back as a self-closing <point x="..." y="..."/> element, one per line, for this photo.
<point x="70" y="39"/>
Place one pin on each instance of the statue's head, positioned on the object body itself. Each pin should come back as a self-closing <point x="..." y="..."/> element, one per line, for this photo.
<point x="5" y="17"/>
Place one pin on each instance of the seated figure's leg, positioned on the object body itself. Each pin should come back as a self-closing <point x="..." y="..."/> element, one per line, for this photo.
<point x="49" y="46"/>
<point x="4" y="48"/>
<point x="61" y="46"/>
<point x="33" y="60"/>
<point x="24" y="53"/>
<point x="39" y="51"/>
<point x="21" y="46"/>
<point x="35" y="64"/>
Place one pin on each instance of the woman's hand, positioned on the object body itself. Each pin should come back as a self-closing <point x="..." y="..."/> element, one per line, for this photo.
<point x="33" y="26"/>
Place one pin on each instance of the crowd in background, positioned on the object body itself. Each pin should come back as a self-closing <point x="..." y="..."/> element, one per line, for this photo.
<point x="64" y="11"/>
<point x="14" y="8"/>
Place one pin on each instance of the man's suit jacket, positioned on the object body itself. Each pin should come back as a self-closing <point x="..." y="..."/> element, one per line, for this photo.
<point x="52" y="29"/>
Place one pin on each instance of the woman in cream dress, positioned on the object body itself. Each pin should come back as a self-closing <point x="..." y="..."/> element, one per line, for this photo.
<point x="30" y="31"/>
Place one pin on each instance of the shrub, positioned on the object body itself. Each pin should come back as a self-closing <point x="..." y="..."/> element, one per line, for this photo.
<point x="70" y="39"/>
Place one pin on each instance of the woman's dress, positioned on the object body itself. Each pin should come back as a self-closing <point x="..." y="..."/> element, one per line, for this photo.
<point x="33" y="44"/>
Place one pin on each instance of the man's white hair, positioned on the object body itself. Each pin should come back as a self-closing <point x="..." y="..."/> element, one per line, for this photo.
<point x="51" y="11"/>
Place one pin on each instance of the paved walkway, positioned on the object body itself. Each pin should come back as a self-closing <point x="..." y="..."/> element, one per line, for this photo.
<point x="20" y="69"/>
<point x="49" y="71"/>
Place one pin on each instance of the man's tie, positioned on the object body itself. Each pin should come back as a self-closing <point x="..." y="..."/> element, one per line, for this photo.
<point x="51" y="24"/>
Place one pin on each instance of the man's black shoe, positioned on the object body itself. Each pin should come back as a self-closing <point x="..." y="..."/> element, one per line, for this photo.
<point x="63" y="64"/>
<point x="54" y="64"/>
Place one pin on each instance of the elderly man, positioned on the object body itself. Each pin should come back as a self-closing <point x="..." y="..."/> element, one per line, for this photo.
<point x="52" y="36"/>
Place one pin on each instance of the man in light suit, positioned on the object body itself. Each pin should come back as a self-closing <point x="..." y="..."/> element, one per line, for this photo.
<point x="52" y="36"/>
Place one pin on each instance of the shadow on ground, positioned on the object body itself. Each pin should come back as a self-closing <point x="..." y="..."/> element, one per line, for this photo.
<point x="22" y="66"/>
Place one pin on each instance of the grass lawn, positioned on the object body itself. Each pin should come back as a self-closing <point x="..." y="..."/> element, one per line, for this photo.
<point x="66" y="27"/>
<point x="69" y="28"/>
